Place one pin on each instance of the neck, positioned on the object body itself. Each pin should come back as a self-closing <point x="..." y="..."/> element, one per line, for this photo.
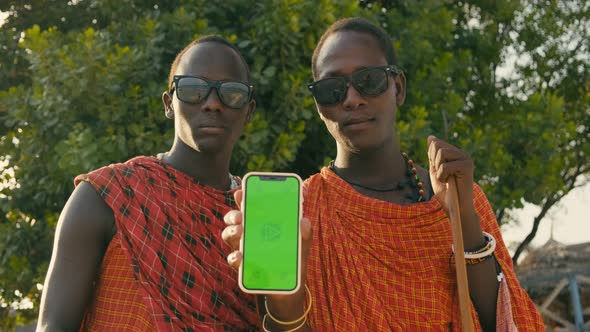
<point x="377" y="167"/>
<point x="208" y="169"/>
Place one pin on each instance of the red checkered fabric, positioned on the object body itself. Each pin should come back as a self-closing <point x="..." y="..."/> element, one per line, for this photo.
<point x="378" y="266"/>
<point x="170" y="232"/>
<point x="117" y="303"/>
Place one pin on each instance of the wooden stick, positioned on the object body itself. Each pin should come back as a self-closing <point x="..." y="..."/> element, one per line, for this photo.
<point x="460" y="269"/>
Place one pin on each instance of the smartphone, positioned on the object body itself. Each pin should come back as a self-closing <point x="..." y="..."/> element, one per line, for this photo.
<point x="271" y="241"/>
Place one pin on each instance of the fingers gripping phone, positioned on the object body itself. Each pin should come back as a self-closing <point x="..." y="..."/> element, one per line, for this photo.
<point x="271" y="242"/>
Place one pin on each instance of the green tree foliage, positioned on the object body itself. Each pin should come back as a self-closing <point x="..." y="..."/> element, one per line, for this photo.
<point x="548" y="134"/>
<point x="83" y="88"/>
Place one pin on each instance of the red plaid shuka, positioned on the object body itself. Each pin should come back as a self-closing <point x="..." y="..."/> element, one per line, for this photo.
<point x="378" y="266"/>
<point x="165" y="269"/>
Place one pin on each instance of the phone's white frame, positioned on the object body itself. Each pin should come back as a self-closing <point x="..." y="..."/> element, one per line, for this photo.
<point x="299" y="258"/>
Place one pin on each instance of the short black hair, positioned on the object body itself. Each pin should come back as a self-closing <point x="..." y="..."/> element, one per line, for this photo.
<point x="361" y="25"/>
<point x="205" y="39"/>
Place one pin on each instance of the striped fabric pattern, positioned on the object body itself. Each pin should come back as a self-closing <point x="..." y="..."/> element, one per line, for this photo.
<point x="117" y="303"/>
<point x="378" y="266"/>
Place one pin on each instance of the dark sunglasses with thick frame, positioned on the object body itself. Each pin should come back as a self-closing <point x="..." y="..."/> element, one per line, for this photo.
<point x="195" y="90"/>
<point x="371" y="82"/>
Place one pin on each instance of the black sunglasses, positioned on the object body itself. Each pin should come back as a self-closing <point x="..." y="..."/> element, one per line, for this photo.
<point x="370" y="82"/>
<point x="195" y="90"/>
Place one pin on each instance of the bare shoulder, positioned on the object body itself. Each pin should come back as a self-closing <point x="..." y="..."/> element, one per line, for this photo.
<point x="87" y="214"/>
<point x="84" y="230"/>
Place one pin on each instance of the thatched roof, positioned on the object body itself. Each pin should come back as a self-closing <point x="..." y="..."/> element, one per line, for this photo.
<point x="547" y="265"/>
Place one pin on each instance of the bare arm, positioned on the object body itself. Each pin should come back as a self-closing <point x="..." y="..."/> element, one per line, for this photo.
<point x="447" y="160"/>
<point x="483" y="285"/>
<point x="85" y="228"/>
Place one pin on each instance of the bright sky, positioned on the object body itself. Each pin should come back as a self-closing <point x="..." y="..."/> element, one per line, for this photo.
<point x="570" y="219"/>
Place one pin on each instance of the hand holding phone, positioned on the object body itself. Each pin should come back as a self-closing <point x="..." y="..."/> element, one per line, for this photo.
<point x="284" y="305"/>
<point x="271" y="240"/>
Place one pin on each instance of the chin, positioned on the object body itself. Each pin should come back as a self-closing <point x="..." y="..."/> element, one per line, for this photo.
<point x="208" y="145"/>
<point x="361" y="143"/>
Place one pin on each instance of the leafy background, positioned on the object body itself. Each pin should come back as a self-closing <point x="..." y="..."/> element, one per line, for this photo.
<point x="81" y="83"/>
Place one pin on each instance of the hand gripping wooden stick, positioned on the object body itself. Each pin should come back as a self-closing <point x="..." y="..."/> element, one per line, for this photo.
<point x="460" y="269"/>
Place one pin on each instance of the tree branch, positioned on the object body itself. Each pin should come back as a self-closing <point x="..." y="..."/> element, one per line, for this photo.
<point x="536" y="222"/>
<point x="500" y="215"/>
<point x="549" y="203"/>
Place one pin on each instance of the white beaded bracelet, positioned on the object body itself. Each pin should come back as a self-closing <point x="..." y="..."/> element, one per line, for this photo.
<point x="485" y="251"/>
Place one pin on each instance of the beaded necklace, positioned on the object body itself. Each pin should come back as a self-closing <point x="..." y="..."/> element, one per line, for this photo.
<point x="412" y="173"/>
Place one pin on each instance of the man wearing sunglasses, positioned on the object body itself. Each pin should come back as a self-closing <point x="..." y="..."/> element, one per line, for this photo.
<point x="137" y="244"/>
<point x="380" y="257"/>
<point x="194" y="90"/>
<point x="370" y="82"/>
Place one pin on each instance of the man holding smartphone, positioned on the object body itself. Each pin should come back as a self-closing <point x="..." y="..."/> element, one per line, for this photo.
<point x="381" y="257"/>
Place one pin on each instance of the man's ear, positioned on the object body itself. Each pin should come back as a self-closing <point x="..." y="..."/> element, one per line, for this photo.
<point x="400" y="88"/>
<point x="168" y="109"/>
<point x="250" y="112"/>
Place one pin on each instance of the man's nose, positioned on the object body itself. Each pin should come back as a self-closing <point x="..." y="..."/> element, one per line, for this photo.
<point x="353" y="99"/>
<point x="213" y="101"/>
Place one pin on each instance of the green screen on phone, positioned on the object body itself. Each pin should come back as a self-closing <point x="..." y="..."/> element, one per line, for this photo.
<point x="271" y="232"/>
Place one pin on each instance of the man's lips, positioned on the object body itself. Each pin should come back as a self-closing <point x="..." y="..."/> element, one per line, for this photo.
<point x="211" y="125"/>
<point x="356" y="121"/>
<point x="211" y="128"/>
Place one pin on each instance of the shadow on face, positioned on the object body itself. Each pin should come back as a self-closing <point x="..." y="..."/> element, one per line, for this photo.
<point x="214" y="61"/>
<point x="209" y="125"/>
<point x="344" y="52"/>
<point x="360" y="122"/>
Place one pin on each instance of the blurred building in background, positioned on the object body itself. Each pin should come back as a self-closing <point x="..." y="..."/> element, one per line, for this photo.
<point x="557" y="277"/>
